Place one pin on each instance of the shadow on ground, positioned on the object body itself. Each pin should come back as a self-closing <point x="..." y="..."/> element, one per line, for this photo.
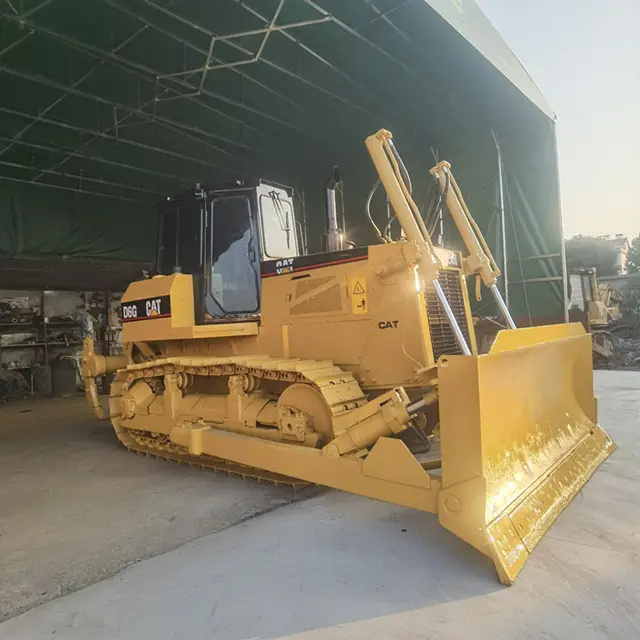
<point x="330" y="560"/>
<point x="76" y="507"/>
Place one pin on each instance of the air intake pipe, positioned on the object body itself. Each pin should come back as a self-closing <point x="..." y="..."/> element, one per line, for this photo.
<point x="333" y="239"/>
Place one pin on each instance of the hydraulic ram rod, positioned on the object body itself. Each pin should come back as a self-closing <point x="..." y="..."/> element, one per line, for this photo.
<point x="480" y="260"/>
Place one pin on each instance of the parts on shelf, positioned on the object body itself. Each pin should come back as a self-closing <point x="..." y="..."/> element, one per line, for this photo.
<point x="38" y="327"/>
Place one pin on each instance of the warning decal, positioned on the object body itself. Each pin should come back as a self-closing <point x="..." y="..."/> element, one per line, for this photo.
<point x="358" y="290"/>
<point x="358" y="286"/>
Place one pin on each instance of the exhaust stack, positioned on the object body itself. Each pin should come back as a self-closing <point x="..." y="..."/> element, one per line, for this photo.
<point x="333" y="239"/>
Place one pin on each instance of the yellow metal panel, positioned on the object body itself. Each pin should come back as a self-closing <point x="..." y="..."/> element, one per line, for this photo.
<point x="410" y="473"/>
<point x="181" y="324"/>
<point x="158" y="286"/>
<point x="414" y="489"/>
<point x="285" y="340"/>
<point x="146" y="330"/>
<point x="534" y="515"/>
<point x="179" y="286"/>
<point x="514" y="338"/>
<point x="157" y="330"/>
<point x="180" y="289"/>
<point x="224" y="330"/>
<point x="523" y="442"/>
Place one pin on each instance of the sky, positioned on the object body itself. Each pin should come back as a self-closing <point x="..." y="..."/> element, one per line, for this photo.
<point x="584" y="55"/>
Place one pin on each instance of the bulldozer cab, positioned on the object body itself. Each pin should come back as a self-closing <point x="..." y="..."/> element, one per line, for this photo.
<point x="585" y="304"/>
<point x="581" y="289"/>
<point x="219" y="235"/>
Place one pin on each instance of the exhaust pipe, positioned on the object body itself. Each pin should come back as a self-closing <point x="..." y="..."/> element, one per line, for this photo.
<point x="333" y="236"/>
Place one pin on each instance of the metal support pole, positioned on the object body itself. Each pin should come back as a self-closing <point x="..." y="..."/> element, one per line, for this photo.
<point x="503" y="226"/>
<point x="503" y="307"/>
<point x="455" y="327"/>
<point x="565" y="276"/>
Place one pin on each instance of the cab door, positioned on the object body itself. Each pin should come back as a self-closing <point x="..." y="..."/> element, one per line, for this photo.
<point x="232" y="271"/>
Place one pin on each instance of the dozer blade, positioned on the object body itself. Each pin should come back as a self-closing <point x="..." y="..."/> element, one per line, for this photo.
<point x="519" y="439"/>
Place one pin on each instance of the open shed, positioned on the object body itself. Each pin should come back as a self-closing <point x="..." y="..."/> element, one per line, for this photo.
<point x="107" y="107"/>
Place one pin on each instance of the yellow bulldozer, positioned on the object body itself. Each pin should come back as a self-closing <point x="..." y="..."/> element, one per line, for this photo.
<point x="342" y="368"/>
<point x="597" y="306"/>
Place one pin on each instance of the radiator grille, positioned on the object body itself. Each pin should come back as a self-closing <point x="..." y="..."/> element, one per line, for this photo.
<point x="443" y="339"/>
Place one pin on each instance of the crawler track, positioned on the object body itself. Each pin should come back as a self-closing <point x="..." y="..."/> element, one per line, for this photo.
<point x="339" y="389"/>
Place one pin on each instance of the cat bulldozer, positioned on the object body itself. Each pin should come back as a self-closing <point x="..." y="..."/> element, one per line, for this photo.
<point x="342" y="368"/>
<point x="597" y="307"/>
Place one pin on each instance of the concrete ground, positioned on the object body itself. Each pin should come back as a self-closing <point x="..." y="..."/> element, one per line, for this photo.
<point x="76" y="507"/>
<point x="339" y="566"/>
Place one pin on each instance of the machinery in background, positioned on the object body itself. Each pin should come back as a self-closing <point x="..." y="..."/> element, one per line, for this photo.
<point x="597" y="307"/>
<point x="340" y="368"/>
<point x="611" y="299"/>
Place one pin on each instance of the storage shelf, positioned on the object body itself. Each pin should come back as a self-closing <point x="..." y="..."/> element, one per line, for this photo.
<point x="55" y="343"/>
<point x="18" y="325"/>
<point x="24" y="345"/>
<point x="62" y="323"/>
<point x="46" y="336"/>
<point x="72" y="324"/>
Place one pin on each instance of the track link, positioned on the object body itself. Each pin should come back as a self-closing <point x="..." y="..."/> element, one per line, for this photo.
<point x="339" y="388"/>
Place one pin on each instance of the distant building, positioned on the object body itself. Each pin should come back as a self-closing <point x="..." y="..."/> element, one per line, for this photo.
<point x="620" y="244"/>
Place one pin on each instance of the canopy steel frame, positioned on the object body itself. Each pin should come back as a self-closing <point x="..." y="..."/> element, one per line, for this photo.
<point x="196" y="91"/>
<point x="106" y="136"/>
<point x="74" y="190"/>
<point x="73" y="85"/>
<point x="146" y="73"/>
<point x="92" y="158"/>
<point x="326" y="17"/>
<point x="79" y="177"/>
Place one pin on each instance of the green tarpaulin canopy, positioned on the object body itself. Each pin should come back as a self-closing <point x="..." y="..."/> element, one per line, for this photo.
<point x="109" y="106"/>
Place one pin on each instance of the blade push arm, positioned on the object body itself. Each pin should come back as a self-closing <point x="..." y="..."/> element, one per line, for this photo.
<point x="480" y="261"/>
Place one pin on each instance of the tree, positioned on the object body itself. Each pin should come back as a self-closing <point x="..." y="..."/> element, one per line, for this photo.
<point x="584" y="252"/>
<point x="633" y="257"/>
